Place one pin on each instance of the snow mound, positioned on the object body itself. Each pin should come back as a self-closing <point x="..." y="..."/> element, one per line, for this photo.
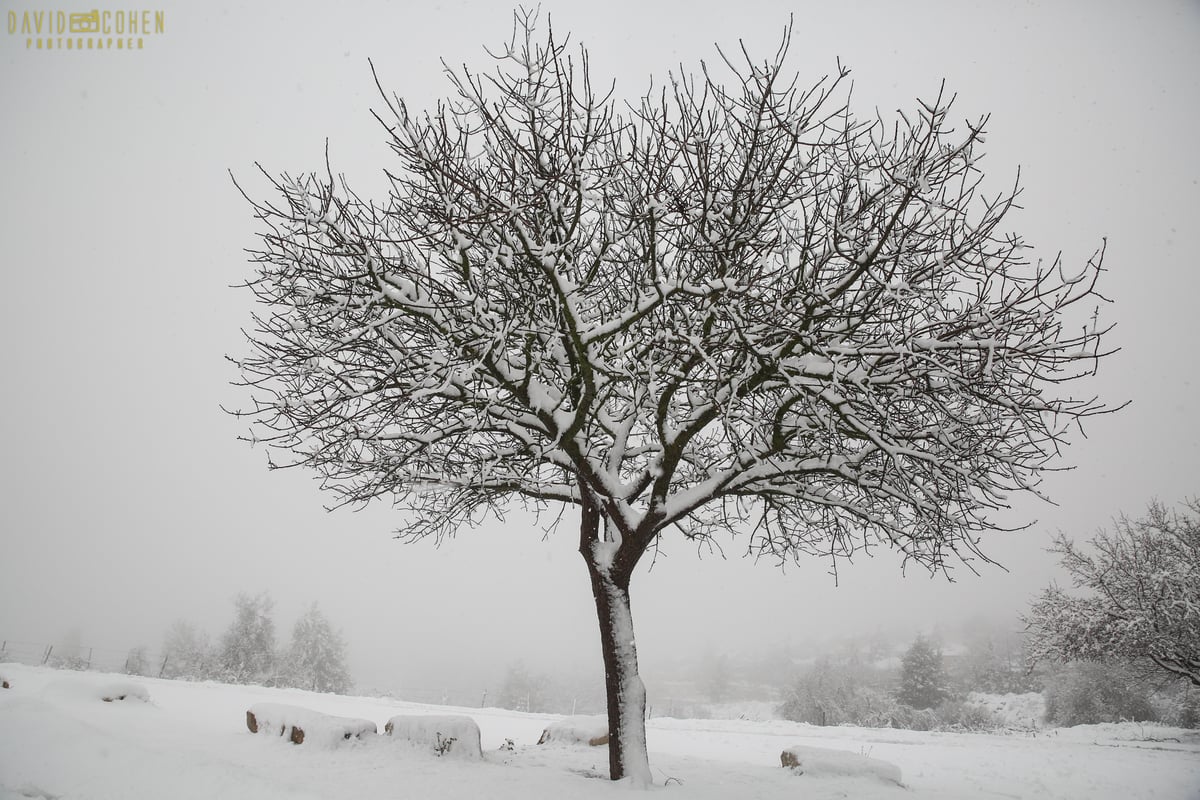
<point x="591" y="731"/>
<point x="1013" y="710"/>
<point x="817" y="762"/>
<point x="87" y="690"/>
<point x="447" y="735"/>
<point x="124" y="691"/>
<point x="302" y="726"/>
<point x="1154" y="733"/>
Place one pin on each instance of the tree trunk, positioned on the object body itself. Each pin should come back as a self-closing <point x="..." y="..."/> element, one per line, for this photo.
<point x="627" y="755"/>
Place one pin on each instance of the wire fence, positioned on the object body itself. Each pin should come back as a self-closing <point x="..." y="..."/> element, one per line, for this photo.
<point x="148" y="663"/>
<point x="135" y="661"/>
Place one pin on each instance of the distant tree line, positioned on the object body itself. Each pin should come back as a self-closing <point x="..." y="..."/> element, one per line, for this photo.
<point x="926" y="689"/>
<point x="315" y="658"/>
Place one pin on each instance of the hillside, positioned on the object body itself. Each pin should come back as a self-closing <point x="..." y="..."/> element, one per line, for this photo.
<point x="59" y="741"/>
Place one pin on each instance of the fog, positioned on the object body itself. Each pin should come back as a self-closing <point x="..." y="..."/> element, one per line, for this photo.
<point x="129" y="503"/>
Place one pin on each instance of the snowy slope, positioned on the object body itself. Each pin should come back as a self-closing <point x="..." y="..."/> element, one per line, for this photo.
<point x="58" y="740"/>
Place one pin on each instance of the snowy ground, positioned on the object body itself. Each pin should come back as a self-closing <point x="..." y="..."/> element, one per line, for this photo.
<point x="59" y="740"/>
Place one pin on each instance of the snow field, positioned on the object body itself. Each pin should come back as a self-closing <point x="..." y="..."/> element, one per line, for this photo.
<point x="57" y="740"/>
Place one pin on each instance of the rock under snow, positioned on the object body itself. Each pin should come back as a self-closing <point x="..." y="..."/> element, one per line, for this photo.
<point x="124" y="691"/>
<point x="448" y="735"/>
<point x="300" y="725"/>
<point x="591" y="731"/>
<point x="817" y="762"/>
<point x="88" y="689"/>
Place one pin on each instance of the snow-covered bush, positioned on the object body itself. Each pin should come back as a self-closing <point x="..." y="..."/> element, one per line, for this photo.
<point x="1023" y="710"/>
<point x="908" y="718"/>
<point x="302" y="726"/>
<point x="446" y="735"/>
<point x="949" y="715"/>
<point x="837" y="692"/>
<point x="958" y="715"/>
<point x="1087" y="693"/>
<point x="1177" y="704"/>
<point x="849" y="692"/>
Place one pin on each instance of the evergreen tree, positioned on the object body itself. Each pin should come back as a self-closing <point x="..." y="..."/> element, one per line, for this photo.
<point x="316" y="659"/>
<point x="248" y="646"/>
<point x="922" y="675"/>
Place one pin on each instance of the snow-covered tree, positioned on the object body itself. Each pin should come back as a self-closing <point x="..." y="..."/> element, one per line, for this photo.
<point x="1142" y="595"/>
<point x="70" y="653"/>
<point x="137" y="662"/>
<point x="525" y="690"/>
<point x="838" y="690"/>
<point x="316" y="658"/>
<point x="1089" y="693"/>
<point x="715" y="676"/>
<point x="995" y="659"/>
<point x="247" y="651"/>
<point x="923" y="681"/>
<point x="734" y="308"/>
<point x="187" y="653"/>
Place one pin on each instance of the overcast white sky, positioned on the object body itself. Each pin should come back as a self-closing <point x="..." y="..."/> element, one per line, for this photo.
<point x="128" y="503"/>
